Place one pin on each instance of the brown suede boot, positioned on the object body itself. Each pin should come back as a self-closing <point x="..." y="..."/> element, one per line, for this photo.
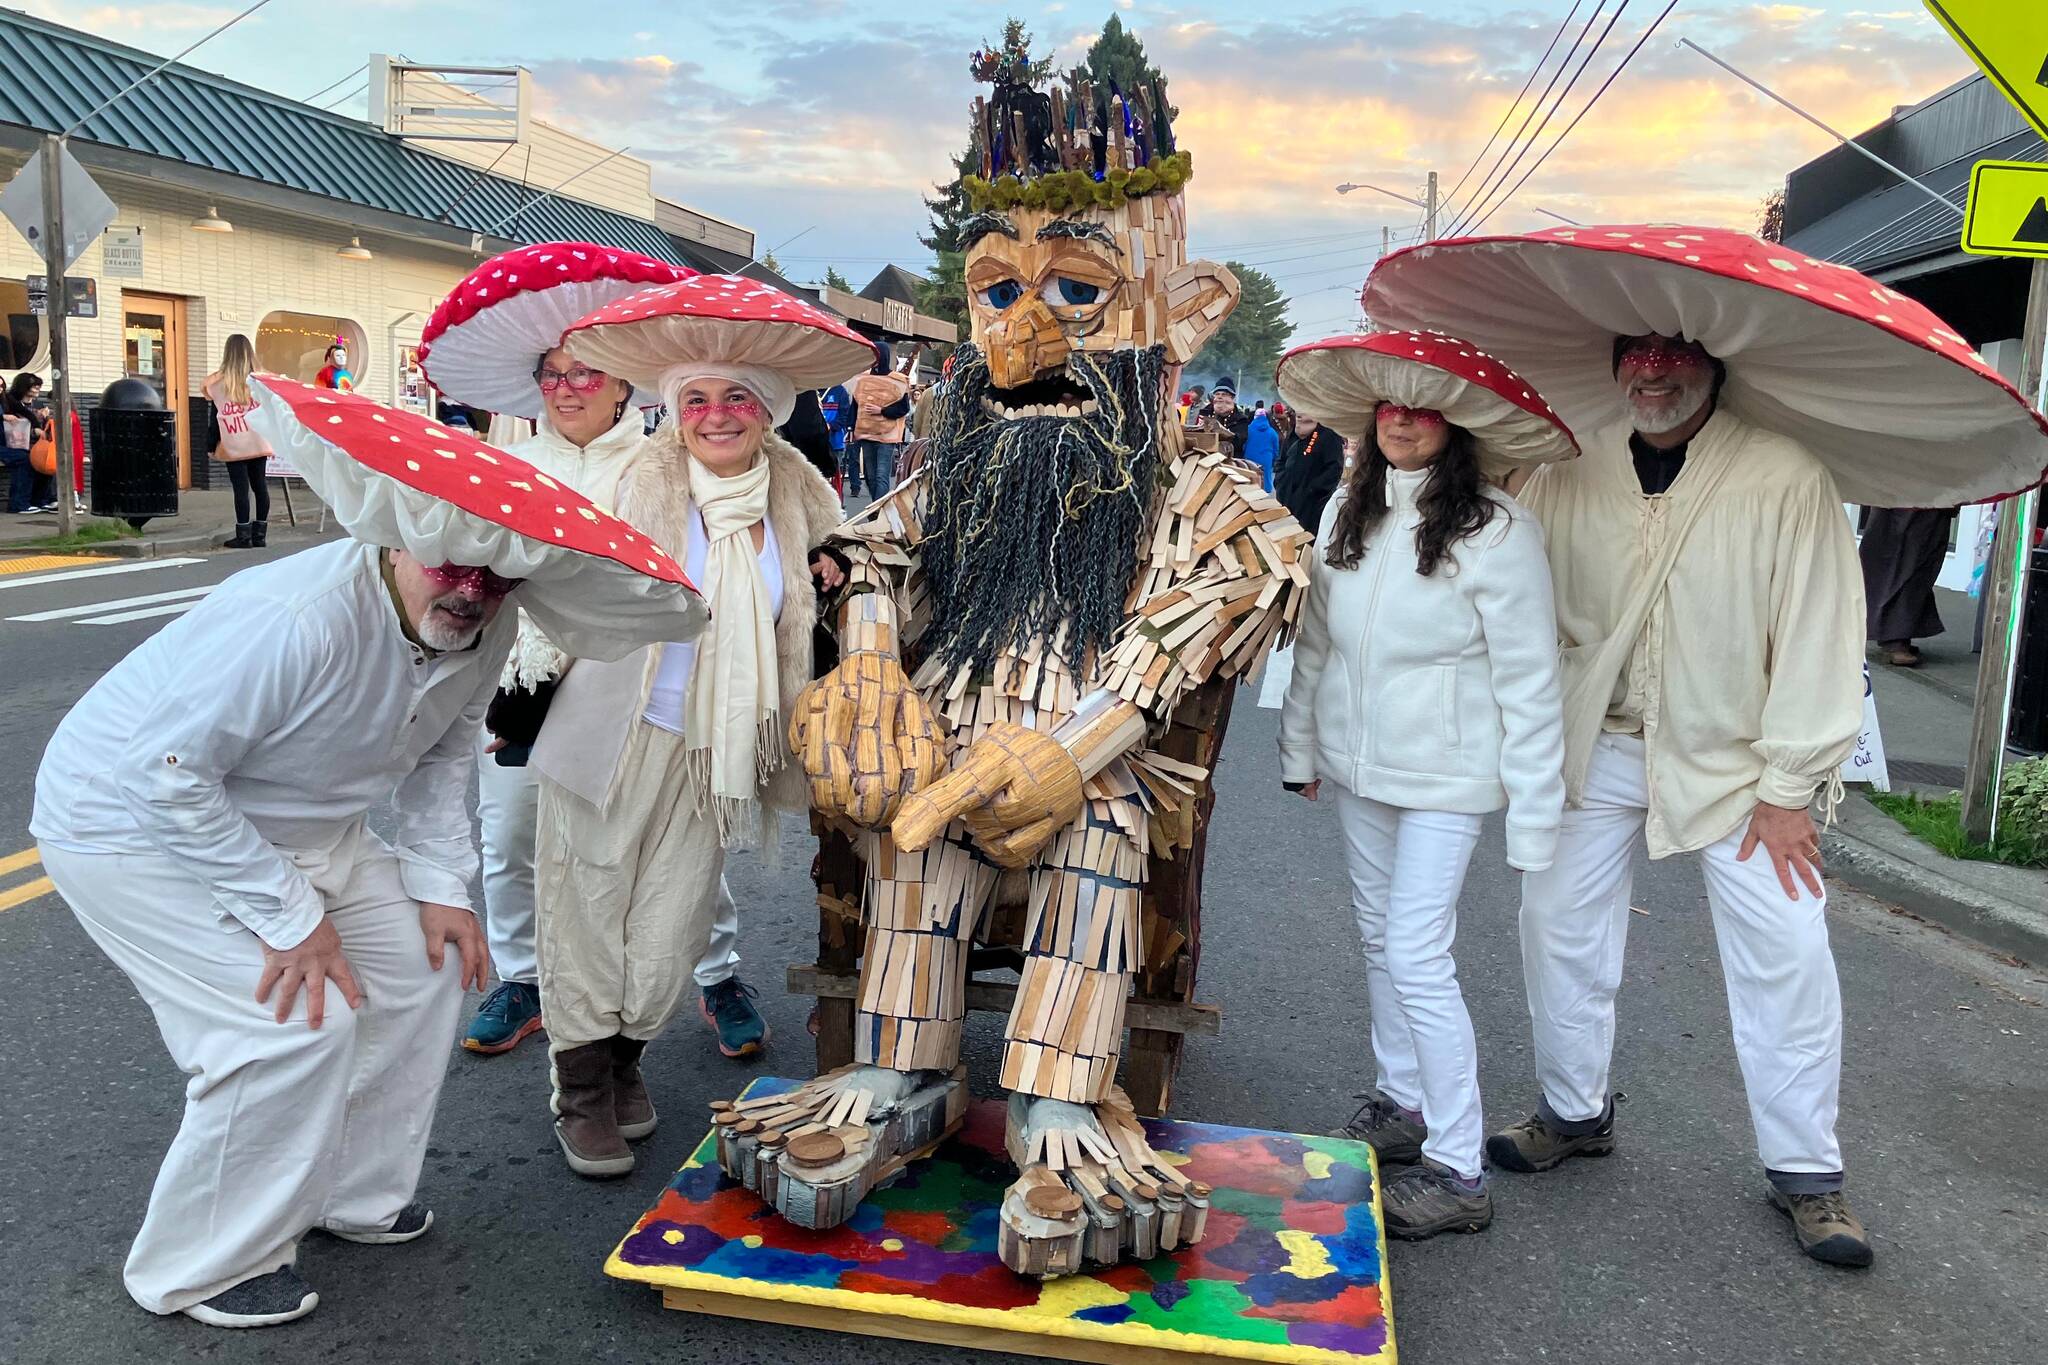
<point x="630" y="1102"/>
<point x="585" y="1123"/>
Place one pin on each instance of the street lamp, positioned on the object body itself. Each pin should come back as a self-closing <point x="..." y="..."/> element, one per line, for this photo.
<point x="1428" y="206"/>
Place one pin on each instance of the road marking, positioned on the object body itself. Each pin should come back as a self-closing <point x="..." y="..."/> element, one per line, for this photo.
<point x="14" y="564"/>
<point x="118" y="617"/>
<point x="119" y="604"/>
<point x="15" y="862"/>
<point x="26" y="892"/>
<point x="139" y="566"/>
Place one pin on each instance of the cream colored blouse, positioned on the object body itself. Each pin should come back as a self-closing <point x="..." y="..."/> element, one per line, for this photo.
<point x="1745" y="679"/>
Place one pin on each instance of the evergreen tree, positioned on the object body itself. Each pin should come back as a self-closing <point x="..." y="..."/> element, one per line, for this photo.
<point x="943" y="293"/>
<point x="1117" y="56"/>
<point x="835" y="280"/>
<point x="949" y="210"/>
<point x="1248" y="345"/>
<point x="1771" y="217"/>
<point x="768" y="262"/>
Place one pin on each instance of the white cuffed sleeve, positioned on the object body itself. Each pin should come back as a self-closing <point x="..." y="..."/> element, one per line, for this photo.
<point x="1518" y="616"/>
<point x="1311" y="654"/>
<point x="1813" y="706"/>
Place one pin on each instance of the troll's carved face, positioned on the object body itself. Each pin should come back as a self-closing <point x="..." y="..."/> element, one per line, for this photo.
<point x="1043" y="285"/>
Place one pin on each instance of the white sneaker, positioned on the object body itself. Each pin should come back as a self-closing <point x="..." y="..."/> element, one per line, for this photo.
<point x="264" y="1301"/>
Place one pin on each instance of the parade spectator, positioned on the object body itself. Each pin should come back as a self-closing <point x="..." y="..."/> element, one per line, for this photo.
<point x="204" y="810"/>
<point x="837" y="408"/>
<point x="653" y="766"/>
<point x="806" y="430"/>
<point x="1310" y="469"/>
<point x="230" y="440"/>
<point x="880" y="406"/>
<point x="1230" y="420"/>
<point x="1736" y="695"/>
<point x="19" y="421"/>
<point x="1191" y="401"/>
<point x="1262" y="445"/>
<point x="1428" y="583"/>
<point x="1902" y="550"/>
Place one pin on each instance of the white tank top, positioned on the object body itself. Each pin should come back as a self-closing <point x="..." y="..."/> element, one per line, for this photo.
<point x="672" y="677"/>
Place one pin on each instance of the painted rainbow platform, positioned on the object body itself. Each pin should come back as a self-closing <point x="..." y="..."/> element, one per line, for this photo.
<point x="1293" y="1267"/>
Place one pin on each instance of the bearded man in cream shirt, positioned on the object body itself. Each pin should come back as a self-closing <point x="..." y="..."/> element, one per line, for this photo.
<point x="1711" y="607"/>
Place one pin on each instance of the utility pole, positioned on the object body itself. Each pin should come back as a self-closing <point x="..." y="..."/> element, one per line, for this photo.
<point x="55" y="310"/>
<point x="2005" y="603"/>
<point x="1429" y="210"/>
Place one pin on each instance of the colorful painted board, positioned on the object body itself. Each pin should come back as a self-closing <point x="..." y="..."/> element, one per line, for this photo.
<point x="1292" y="1268"/>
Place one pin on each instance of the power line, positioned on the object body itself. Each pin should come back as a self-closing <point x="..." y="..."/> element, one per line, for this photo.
<point x="325" y="88"/>
<point x="344" y="99"/>
<point x="1626" y="58"/>
<point x="150" y="74"/>
<point x="1578" y="41"/>
<point x="1466" y="218"/>
<point x="1509" y="112"/>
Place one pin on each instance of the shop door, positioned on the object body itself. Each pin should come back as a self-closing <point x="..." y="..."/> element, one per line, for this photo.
<point x="153" y="350"/>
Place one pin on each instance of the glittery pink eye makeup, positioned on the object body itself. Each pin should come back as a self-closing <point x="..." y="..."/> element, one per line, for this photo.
<point x="1421" y="417"/>
<point x="1663" y="353"/>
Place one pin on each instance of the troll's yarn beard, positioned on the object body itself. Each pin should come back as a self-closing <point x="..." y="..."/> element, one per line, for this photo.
<point x="1032" y="525"/>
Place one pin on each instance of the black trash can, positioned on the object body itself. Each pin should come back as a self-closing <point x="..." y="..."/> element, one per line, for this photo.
<point x="134" y="454"/>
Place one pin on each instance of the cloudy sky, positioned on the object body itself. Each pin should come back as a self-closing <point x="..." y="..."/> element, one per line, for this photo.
<point x="826" y="118"/>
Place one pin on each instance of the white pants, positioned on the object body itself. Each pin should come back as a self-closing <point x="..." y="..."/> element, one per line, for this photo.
<point x="1407" y="868"/>
<point x="508" y="804"/>
<point x="1783" y="998"/>
<point x="626" y="897"/>
<point x="286" y="1127"/>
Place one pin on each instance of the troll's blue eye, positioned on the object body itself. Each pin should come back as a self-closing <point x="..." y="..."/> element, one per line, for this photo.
<point x="1078" y="291"/>
<point x="1003" y="293"/>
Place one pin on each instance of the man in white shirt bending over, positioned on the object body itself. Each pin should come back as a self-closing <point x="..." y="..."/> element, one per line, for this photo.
<point x="1711" y="603"/>
<point x="202" y="810"/>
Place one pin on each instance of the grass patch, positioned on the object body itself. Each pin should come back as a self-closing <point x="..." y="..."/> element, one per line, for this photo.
<point x="1938" y="822"/>
<point x="97" y="532"/>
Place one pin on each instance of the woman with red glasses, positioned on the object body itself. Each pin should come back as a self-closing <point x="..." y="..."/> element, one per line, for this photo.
<point x="1425" y="695"/>
<point x="653" y="767"/>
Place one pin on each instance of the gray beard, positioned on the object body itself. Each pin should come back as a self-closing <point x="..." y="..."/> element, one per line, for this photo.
<point x="1656" y="419"/>
<point x="440" y="635"/>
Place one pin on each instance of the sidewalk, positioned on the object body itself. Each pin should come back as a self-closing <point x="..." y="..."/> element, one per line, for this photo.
<point x="206" y="517"/>
<point x="1924" y="716"/>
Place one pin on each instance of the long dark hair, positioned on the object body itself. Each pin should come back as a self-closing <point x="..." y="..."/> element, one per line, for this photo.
<point x="16" y="402"/>
<point x="1453" y="502"/>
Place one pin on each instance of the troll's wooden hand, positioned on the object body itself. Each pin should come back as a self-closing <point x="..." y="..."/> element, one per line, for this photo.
<point x="1014" y="788"/>
<point x="866" y="739"/>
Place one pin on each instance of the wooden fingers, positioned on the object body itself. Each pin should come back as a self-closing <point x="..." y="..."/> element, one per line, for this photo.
<point x="925" y="815"/>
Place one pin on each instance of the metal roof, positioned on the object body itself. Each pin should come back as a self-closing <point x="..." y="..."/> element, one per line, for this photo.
<point x="192" y="117"/>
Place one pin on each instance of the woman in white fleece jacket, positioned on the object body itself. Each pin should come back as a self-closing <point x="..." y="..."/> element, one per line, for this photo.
<point x="1425" y="695"/>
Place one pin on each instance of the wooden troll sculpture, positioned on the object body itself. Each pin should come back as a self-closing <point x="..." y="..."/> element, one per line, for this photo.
<point x="1059" y="574"/>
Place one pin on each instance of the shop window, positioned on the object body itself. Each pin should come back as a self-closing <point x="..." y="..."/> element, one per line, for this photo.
<point x="295" y="345"/>
<point x="24" y="341"/>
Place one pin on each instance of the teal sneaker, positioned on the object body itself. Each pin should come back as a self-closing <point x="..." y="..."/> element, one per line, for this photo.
<point x="728" y="1007"/>
<point x="508" y="1015"/>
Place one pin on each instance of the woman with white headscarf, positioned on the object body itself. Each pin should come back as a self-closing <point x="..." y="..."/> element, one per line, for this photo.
<point x="651" y="768"/>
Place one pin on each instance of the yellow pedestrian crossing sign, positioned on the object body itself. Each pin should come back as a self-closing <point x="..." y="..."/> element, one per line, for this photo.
<point x="2008" y="40"/>
<point x="2008" y="210"/>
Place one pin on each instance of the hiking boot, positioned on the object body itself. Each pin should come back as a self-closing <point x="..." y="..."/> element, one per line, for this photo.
<point x="1899" y="653"/>
<point x="1394" y="1137"/>
<point x="412" y="1222"/>
<point x="1826" y="1229"/>
<point x="264" y="1301"/>
<point x="630" y="1102"/>
<point x="1533" y="1145"/>
<point x="1428" y="1198"/>
<point x="586" y="1124"/>
<point x="508" y="1014"/>
<point x="728" y="1007"/>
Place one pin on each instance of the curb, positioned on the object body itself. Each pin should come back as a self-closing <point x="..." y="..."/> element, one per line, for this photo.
<point x="149" y="547"/>
<point x="2003" y="908"/>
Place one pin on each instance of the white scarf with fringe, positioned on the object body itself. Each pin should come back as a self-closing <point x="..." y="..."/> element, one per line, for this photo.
<point x="731" y="715"/>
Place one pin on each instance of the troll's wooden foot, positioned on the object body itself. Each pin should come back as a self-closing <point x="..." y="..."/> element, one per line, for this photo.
<point x="815" y="1152"/>
<point x="1092" y="1192"/>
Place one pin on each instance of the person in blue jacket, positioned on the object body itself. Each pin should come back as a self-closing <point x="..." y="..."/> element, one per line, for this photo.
<point x="1262" y="444"/>
<point x="838" y="409"/>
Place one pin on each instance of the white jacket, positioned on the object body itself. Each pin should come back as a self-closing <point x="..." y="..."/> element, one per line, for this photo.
<point x="1437" y="693"/>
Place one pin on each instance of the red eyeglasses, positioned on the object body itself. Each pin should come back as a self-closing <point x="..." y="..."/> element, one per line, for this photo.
<point x="469" y="578"/>
<point x="1421" y="417"/>
<point x="580" y="379"/>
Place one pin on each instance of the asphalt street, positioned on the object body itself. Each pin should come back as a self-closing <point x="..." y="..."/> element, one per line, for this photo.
<point x="1666" y="1251"/>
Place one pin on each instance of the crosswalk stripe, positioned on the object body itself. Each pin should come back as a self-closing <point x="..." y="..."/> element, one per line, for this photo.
<point x="72" y="575"/>
<point x="27" y="891"/>
<point x="118" y="604"/>
<point x="118" y="617"/>
<point x="15" y="862"/>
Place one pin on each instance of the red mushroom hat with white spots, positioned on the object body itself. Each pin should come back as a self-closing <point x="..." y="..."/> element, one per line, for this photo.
<point x="1340" y="379"/>
<point x="485" y="339"/>
<point x="599" y="588"/>
<point x="1886" y="394"/>
<point x="722" y="321"/>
